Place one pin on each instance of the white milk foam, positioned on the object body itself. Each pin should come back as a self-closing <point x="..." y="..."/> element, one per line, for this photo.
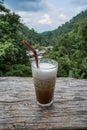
<point x="45" y="71"/>
<point x="46" y="65"/>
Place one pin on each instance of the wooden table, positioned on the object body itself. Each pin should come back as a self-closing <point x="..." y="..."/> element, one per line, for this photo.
<point x="19" y="111"/>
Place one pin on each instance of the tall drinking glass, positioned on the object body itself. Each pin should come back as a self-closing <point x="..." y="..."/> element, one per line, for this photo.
<point x="44" y="79"/>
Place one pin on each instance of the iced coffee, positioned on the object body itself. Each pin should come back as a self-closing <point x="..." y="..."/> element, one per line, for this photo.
<point x="44" y="81"/>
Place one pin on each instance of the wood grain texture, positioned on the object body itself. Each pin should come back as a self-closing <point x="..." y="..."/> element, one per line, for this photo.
<point x="19" y="111"/>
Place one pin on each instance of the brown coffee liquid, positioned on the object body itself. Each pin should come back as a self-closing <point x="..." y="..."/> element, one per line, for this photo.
<point x="44" y="90"/>
<point x="44" y="96"/>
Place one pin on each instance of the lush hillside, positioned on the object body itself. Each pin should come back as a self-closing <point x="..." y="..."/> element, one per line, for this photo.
<point x="68" y="26"/>
<point x="13" y="58"/>
<point x="70" y="47"/>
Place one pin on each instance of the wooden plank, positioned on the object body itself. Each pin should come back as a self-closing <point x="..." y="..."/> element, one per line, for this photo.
<point x="18" y="108"/>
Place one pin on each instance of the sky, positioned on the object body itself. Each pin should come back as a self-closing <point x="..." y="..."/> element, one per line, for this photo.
<point x="45" y="15"/>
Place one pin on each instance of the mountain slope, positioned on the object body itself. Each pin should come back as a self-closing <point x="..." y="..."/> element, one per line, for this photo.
<point x="65" y="28"/>
<point x="70" y="47"/>
<point x="12" y="53"/>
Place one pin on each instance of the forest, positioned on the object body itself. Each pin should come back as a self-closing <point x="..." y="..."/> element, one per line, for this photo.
<point x="69" y="42"/>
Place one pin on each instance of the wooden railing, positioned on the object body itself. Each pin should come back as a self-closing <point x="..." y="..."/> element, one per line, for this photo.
<point x="19" y="111"/>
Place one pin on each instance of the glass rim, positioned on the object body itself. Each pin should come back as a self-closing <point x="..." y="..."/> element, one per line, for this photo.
<point x="44" y="60"/>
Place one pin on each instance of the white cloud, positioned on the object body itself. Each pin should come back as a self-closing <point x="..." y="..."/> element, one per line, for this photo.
<point x="79" y="2"/>
<point x="45" y="19"/>
<point x="80" y="8"/>
<point x="25" y="15"/>
<point x="27" y="5"/>
<point x="62" y="17"/>
<point x="49" y="14"/>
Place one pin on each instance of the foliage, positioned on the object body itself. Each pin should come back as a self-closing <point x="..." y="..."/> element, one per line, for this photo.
<point x="12" y="52"/>
<point x="69" y="43"/>
<point x="19" y="70"/>
<point x="70" y="50"/>
<point x="67" y="27"/>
